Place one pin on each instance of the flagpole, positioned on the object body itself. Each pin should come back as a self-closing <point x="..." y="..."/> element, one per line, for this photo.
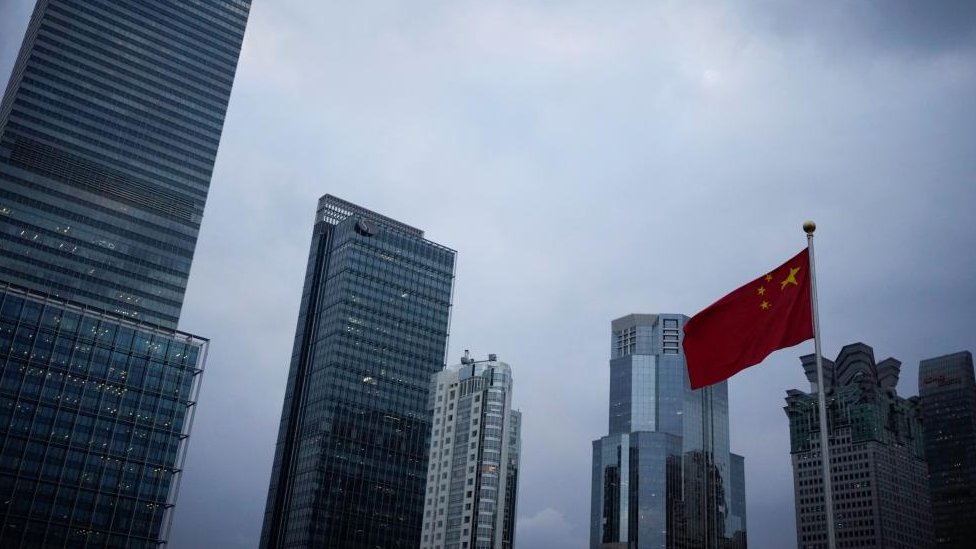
<point x="809" y="227"/>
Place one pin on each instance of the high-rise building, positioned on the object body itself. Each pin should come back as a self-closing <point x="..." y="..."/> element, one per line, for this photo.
<point x="351" y="459"/>
<point x="664" y="476"/>
<point x="96" y="412"/>
<point x="110" y="127"/>
<point x="108" y="133"/>
<point x="879" y="479"/>
<point x="947" y="389"/>
<point x="472" y="478"/>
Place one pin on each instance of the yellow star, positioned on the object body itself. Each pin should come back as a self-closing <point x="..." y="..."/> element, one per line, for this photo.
<point x="761" y="290"/>
<point x="765" y="305"/>
<point x="791" y="279"/>
<point x="769" y="278"/>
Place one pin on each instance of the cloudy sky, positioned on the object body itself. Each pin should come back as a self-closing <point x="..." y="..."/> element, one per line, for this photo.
<point x="587" y="160"/>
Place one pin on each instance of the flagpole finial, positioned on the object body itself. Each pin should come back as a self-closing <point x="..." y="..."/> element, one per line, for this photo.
<point x="809" y="227"/>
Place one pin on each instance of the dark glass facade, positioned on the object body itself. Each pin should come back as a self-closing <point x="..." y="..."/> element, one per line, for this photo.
<point x="879" y="478"/>
<point x="351" y="459"/>
<point x="108" y="135"/>
<point x="947" y="388"/>
<point x="664" y="476"/>
<point x="95" y="411"/>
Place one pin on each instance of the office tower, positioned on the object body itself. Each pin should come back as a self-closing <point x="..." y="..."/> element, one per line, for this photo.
<point x="879" y="477"/>
<point x="472" y="478"/>
<point x="664" y="476"/>
<point x="108" y="132"/>
<point x="95" y="411"/>
<point x="351" y="458"/>
<point x="110" y="127"/>
<point x="947" y="390"/>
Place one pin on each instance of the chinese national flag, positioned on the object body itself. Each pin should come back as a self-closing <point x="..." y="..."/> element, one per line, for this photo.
<point x="742" y="328"/>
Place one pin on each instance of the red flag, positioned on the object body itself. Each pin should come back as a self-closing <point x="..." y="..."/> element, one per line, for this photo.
<point x="742" y="328"/>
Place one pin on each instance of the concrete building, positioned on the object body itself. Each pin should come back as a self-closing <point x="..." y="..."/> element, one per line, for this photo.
<point x="879" y="477"/>
<point x="472" y="480"/>
<point x="664" y="476"/>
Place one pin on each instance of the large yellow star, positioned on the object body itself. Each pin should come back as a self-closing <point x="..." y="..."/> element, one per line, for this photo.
<point x="791" y="279"/>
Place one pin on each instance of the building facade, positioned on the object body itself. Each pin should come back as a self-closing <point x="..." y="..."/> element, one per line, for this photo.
<point x="879" y="478"/>
<point x="664" y="476"/>
<point x="351" y="459"/>
<point x="96" y="414"/>
<point x="947" y="389"/>
<point x="472" y="477"/>
<point x="108" y="133"/>
<point x="110" y="127"/>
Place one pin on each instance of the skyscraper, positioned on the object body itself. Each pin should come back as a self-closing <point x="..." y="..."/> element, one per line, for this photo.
<point x="472" y="478"/>
<point x="110" y="127"/>
<point x="351" y="458"/>
<point x="108" y="133"/>
<point x="664" y="476"/>
<point x="947" y="389"/>
<point x="96" y="412"/>
<point x="879" y="477"/>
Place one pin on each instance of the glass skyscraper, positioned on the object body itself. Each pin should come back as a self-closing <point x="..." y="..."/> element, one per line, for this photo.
<point x="472" y="480"/>
<point x="351" y="459"/>
<point x="879" y="479"/>
<point x="947" y="389"/>
<point x="96" y="412"/>
<point x="110" y="127"/>
<point x="664" y="476"/>
<point x="108" y="133"/>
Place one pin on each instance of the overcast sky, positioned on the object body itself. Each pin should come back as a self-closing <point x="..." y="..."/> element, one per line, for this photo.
<point x="587" y="160"/>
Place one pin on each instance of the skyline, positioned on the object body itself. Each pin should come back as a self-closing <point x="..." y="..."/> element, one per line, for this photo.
<point x="585" y="165"/>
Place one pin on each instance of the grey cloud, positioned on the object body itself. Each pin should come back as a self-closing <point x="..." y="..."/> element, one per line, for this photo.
<point x="902" y="27"/>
